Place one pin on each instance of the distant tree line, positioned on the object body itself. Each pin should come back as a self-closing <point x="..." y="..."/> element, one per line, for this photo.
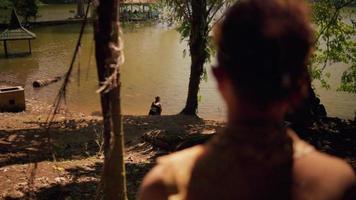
<point x="5" y="4"/>
<point x="29" y="8"/>
<point x="60" y="1"/>
<point x="25" y="8"/>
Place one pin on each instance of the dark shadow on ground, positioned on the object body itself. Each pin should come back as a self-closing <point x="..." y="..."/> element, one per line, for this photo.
<point x="333" y="136"/>
<point x="77" y="139"/>
<point x="84" y="182"/>
<point x="31" y="145"/>
<point x="15" y="55"/>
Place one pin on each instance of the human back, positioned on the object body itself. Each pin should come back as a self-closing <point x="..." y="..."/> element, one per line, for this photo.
<point x="219" y="170"/>
<point x="263" y="49"/>
<point x="235" y="169"/>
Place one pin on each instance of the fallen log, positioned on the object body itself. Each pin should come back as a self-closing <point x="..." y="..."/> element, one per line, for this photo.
<point x="42" y="83"/>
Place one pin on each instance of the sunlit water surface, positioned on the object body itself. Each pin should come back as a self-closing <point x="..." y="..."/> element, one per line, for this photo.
<point x="154" y="66"/>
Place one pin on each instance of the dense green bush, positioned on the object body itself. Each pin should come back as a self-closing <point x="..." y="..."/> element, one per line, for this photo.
<point x="25" y="8"/>
<point x="59" y="1"/>
<point x="5" y="4"/>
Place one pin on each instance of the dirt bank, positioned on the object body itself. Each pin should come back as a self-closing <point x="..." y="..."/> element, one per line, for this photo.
<point x="26" y="157"/>
<point x="28" y="171"/>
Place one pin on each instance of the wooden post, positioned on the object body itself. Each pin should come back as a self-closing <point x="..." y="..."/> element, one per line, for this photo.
<point x="80" y="8"/>
<point x="5" y="48"/>
<point x="149" y="12"/>
<point x="29" y="46"/>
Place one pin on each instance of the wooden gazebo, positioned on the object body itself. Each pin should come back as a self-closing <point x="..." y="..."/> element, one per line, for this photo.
<point x="16" y="31"/>
<point x="137" y="10"/>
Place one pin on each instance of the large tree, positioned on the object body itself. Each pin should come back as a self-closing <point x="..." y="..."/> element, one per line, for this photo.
<point x="334" y="43"/>
<point x="109" y="57"/>
<point x="195" y="18"/>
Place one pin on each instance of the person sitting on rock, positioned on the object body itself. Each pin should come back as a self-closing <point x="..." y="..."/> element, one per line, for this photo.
<point x="263" y="48"/>
<point x="156" y="107"/>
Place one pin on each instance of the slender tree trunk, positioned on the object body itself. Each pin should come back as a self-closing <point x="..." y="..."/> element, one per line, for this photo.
<point x="106" y="45"/>
<point x="197" y="45"/>
<point x="80" y="8"/>
<point x="26" y="20"/>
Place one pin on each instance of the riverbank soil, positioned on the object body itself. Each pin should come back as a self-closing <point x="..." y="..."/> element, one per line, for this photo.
<point x="28" y="169"/>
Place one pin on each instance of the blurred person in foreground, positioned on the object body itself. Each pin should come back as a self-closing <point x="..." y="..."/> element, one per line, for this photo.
<point x="263" y="52"/>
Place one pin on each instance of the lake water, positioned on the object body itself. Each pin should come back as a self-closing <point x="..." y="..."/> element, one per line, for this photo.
<point x="154" y="67"/>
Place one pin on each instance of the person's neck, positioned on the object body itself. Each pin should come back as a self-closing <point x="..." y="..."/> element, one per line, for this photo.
<point x="247" y="113"/>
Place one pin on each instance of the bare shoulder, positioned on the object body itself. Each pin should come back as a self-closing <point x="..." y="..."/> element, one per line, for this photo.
<point x="161" y="181"/>
<point x="324" y="175"/>
<point x="320" y="165"/>
<point x="153" y="187"/>
<point x="332" y="166"/>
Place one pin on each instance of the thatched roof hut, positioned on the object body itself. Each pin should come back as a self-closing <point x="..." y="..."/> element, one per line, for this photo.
<point x="15" y="31"/>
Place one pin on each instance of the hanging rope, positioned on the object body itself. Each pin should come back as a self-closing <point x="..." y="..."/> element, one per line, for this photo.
<point x="89" y="62"/>
<point x="61" y="96"/>
<point x="78" y="68"/>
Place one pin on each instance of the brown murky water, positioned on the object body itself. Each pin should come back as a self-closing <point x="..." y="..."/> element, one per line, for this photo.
<point x="154" y="66"/>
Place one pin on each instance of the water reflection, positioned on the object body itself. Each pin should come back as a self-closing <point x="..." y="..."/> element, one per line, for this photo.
<point x="154" y="67"/>
<point x="19" y="67"/>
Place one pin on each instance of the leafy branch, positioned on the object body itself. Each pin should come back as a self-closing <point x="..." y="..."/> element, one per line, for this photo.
<point x="334" y="42"/>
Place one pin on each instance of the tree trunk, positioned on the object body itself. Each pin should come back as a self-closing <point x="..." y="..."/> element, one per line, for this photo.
<point x="80" y="8"/>
<point x="197" y="45"/>
<point x="309" y="111"/>
<point x="107" y="35"/>
<point x="26" y="20"/>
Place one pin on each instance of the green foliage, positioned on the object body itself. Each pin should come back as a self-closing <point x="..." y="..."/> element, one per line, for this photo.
<point x="5" y="4"/>
<point x="335" y="41"/>
<point x="349" y="80"/>
<point x="179" y="13"/>
<point x="27" y="8"/>
<point x="5" y="11"/>
<point x="59" y="1"/>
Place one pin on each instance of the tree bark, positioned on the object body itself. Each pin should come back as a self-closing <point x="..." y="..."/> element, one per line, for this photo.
<point x="107" y="35"/>
<point x="197" y="44"/>
<point x="309" y="111"/>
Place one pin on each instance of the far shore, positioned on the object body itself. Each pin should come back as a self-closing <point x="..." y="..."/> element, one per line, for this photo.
<point x="67" y="16"/>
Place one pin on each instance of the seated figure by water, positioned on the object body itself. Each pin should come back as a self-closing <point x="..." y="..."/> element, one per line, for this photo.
<point x="156" y="107"/>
